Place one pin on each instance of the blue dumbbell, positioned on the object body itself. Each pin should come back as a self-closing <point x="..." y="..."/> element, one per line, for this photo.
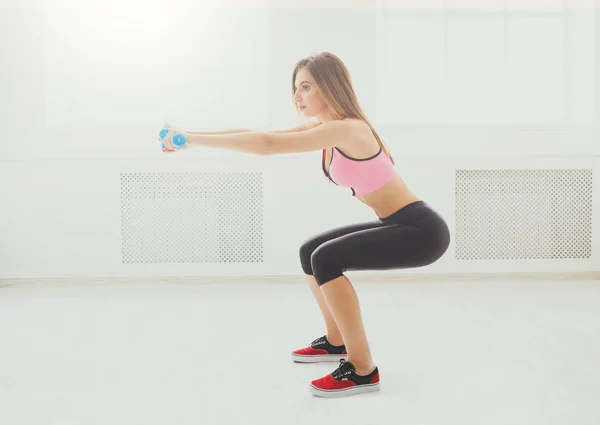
<point x="178" y="139"/>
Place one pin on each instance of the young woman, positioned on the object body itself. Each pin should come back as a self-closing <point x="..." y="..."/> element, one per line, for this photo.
<point x="406" y="233"/>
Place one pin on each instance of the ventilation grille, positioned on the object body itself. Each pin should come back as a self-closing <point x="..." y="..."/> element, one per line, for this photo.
<point x="523" y="214"/>
<point x="191" y="217"/>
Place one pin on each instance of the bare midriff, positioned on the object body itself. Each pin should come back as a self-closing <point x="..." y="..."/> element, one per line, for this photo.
<point x="388" y="199"/>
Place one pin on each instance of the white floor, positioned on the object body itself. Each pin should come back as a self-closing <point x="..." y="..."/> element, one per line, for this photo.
<point x="166" y="352"/>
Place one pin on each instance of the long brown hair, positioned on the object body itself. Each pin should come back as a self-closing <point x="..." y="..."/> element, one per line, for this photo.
<point x="335" y="86"/>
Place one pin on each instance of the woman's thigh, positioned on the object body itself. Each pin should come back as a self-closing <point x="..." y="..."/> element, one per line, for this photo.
<point x="393" y="246"/>
<point x="311" y="244"/>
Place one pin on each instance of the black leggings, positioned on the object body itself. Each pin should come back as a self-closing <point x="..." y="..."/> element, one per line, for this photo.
<point x="414" y="236"/>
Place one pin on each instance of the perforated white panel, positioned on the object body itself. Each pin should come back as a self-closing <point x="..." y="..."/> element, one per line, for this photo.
<point x="192" y="217"/>
<point x="523" y="214"/>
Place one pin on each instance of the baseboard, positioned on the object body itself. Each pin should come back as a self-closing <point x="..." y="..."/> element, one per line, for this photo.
<point x="363" y="277"/>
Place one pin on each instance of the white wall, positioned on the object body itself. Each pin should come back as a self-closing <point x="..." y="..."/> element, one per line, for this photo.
<point x="85" y="89"/>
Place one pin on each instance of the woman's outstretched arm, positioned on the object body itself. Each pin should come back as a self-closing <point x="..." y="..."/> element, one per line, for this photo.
<point x="334" y="133"/>
<point x="254" y="142"/>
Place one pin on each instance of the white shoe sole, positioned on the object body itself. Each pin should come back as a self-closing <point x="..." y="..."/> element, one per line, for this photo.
<point x="345" y="392"/>
<point x="300" y="358"/>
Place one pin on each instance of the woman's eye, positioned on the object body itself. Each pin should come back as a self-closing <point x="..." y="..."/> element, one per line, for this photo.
<point x="305" y="87"/>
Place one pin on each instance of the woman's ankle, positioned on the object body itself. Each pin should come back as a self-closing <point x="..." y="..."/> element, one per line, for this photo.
<point x="335" y="340"/>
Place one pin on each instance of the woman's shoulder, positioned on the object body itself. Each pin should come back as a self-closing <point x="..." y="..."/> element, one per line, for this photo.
<point x="362" y="130"/>
<point x="356" y="123"/>
<point x="364" y="144"/>
<point x="359" y="128"/>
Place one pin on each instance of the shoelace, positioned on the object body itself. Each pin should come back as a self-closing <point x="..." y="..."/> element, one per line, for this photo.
<point x="318" y="341"/>
<point x="342" y="369"/>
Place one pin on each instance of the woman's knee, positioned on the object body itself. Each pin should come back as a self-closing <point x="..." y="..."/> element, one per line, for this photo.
<point x="325" y="265"/>
<point x="306" y="251"/>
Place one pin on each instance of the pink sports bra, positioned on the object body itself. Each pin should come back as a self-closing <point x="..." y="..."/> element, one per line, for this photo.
<point x="364" y="175"/>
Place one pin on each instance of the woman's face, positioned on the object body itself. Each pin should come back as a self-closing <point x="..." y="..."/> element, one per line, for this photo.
<point x="307" y="97"/>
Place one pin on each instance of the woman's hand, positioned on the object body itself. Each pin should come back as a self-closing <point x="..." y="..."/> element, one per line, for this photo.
<point x="167" y="141"/>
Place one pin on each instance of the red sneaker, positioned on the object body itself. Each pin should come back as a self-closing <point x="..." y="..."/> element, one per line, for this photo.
<point x="320" y="350"/>
<point x="344" y="381"/>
